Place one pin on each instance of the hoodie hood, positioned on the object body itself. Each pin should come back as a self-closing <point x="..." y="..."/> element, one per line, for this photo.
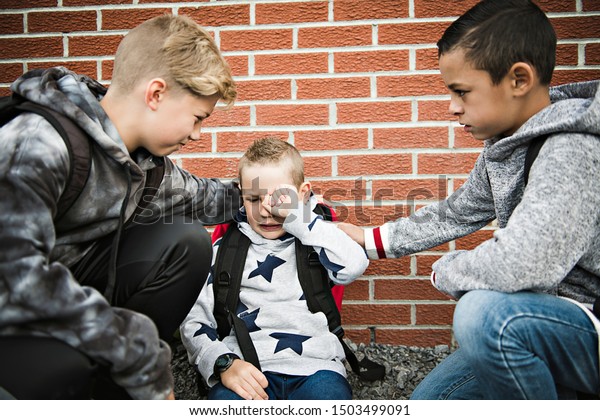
<point x="77" y="97"/>
<point x="575" y="108"/>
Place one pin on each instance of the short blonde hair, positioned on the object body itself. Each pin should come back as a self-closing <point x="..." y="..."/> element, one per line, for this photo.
<point x="273" y="150"/>
<point x="177" y="49"/>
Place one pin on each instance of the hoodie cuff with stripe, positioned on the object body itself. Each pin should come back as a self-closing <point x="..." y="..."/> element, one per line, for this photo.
<point x="377" y="243"/>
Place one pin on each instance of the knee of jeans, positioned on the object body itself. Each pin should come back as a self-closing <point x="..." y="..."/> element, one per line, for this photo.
<point x="474" y="316"/>
<point x="193" y="237"/>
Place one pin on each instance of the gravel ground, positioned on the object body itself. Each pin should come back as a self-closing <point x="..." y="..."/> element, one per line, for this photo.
<point x="405" y="368"/>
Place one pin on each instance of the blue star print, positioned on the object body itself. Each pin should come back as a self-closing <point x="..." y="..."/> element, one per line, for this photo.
<point x="205" y="329"/>
<point x="289" y="341"/>
<point x="266" y="267"/>
<point x="249" y="319"/>
<point x="312" y="224"/>
<point x="328" y="264"/>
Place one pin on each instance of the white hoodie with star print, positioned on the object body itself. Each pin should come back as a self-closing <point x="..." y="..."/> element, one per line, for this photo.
<point x="288" y="338"/>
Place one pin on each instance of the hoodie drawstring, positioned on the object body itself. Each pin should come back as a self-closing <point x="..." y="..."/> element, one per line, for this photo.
<point x="112" y="269"/>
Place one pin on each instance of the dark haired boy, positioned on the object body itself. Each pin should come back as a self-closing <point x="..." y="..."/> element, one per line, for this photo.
<point x="523" y="323"/>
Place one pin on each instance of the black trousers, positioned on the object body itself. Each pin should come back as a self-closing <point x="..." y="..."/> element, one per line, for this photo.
<point x="161" y="269"/>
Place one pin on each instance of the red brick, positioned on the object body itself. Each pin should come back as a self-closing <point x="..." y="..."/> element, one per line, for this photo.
<point x="553" y="6"/>
<point x="87" y="67"/>
<point x="270" y="13"/>
<point x="409" y="189"/>
<point x="221" y="15"/>
<point x="407" y="138"/>
<point x="93" y="45"/>
<point x="465" y="140"/>
<point x="394" y="289"/>
<point x="358" y="335"/>
<point x="5" y="91"/>
<point x="238" y="116"/>
<point x="378" y="314"/>
<point x="427" y="59"/>
<point x="203" y="145"/>
<point x="317" y="166"/>
<point x="292" y="114"/>
<point x="435" y="8"/>
<point x="254" y="40"/>
<point x="357" y="290"/>
<point x="372" y="112"/>
<point x="370" y="61"/>
<point x="94" y="2"/>
<point x="592" y="54"/>
<point x="334" y="191"/>
<point x="331" y="139"/>
<point x="238" y="64"/>
<point x="291" y="63"/>
<point x="11" y="24"/>
<point x="369" y="10"/>
<point x="435" y="111"/>
<point x="10" y="71"/>
<point x="337" y="36"/>
<point x="348" y="87"/>
<point x="374" y="164"/>
<point x="238" y="141"/>
<point x="434" y="314"/>
<point x="570" y="76"/>
<point x="64" y="22"/>
<point x="389" y="267"/>
<point x="424" y="263"/>
<point x="363" y="215"/>
<point x="591" y="5"/>
<point x="115" y="19"/>
<point x="424" y="337"/>
<point x="446" y="163"/>
<point x="431" y="84"/>
<point x="31" y="47"/>
<point x="264" y="90"/>
<point x="211" y="167"/>
<point x="566" y="55"/>
<point x="411" y="33"/>
<point x="163" y="1"/>
<point x="20" y="4"/>
<point x="474" y="239"/>
<point x="107" y="69"/>
<point x="576" y="27"/>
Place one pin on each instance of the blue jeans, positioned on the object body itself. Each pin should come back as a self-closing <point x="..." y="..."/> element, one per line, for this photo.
<point x="516" y="346"/>
<point x="322" y="385"/>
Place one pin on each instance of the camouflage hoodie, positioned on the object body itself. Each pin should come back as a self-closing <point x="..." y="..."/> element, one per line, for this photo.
<point x="38" y="294"/>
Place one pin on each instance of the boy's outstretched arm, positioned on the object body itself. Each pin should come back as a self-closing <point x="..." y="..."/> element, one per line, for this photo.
<point x="355" y="232"/>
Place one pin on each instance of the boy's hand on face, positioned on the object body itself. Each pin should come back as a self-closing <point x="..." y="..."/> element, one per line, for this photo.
<point x="246" y="380"/>
<point x="355" y="232"/>
<point x="281" y="200"/>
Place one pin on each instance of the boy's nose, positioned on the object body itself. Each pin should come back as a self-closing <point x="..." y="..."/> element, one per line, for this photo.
<point x="454" y="108"/>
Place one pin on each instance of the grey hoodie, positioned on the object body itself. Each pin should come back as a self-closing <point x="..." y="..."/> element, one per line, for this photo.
<point x="38" y="294"/>
<point x="548" y="236"/>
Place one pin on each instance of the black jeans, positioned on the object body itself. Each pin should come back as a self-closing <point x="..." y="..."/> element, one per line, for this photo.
<point x="161" y="269"/>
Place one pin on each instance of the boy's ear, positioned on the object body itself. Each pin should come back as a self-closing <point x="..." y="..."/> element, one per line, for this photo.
<point x="522" y="78"/>
<point x="155" y="90"/>
<point x="304" y="190"/>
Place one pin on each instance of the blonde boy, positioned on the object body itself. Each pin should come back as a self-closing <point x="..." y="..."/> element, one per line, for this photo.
<point x="98" y="292"/>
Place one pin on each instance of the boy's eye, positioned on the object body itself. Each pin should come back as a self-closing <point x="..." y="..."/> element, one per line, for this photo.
<point x="251" y="199"/>
<point x="460" y="93"/>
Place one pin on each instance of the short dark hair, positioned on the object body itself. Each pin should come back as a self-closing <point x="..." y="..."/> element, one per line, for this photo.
<point x="495" y="34"/>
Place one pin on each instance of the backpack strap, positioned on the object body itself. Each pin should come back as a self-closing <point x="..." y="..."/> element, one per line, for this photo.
<point x="76" y="140"/>
<point x="227" y="279"/>
<point x="532" y="151"/>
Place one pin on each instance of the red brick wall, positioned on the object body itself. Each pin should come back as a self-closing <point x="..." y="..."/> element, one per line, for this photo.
<point x="352" y="83"/>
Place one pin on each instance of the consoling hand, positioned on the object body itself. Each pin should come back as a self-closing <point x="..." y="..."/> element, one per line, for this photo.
<point x="355" y="232"/>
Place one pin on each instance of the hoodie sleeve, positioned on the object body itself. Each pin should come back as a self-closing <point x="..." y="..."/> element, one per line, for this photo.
<point x="209" y="200"/>
<point x="199" y="331"/>
<point x="343" y="258"/>
<point x="468" y="209"/>
<point x="41" y="296"/>
<point x="550" y="230"/>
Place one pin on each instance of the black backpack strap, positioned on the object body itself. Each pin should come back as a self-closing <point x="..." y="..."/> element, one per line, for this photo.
<point x="76" y="140"/>
<point x="227" y="279"/>
<point x="532" y="151"/>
